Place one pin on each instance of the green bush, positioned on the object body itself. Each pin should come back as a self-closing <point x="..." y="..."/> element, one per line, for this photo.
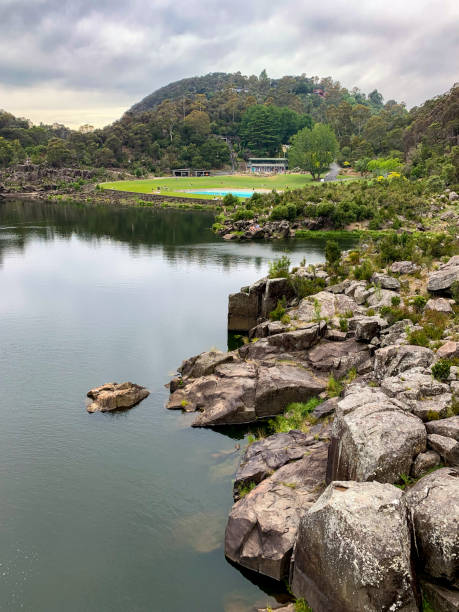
<point x="279" y="268"/>
<point x="279" y="312"/>
<point x="304" y="287"/>
<point x="364" y="271"/>
<point x="418" y="303"/>
<point x="455" y="291"/>
<point x="332" y="252"/>
<point x="294" y="417"/>
<point x="441" y="369"/>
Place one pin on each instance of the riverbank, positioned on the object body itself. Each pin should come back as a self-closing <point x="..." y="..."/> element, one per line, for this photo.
<point x="353" y="365"/>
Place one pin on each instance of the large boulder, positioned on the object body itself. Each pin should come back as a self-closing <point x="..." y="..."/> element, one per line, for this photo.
<point x="449" y="350"/>
<point x="243" y="311"/>
<point x="205" y="363"/>
<point x="242" y="392"/>
<point x="339" y="357"/>
<point x="295" y="341"/>
<point x="413" y="384"/>
<point x="262" y="526"/>
<point x="392" y="360"/>
<point x="381" y="297"/>
<point x="445" y="427"/>
<point x="368" y="327"/>
<point x="353" y="551"/>
<point x="396" y="333"/>
<point x="327" y="305"/>
<point x="441" y="280"/>
<point x="447" y="448"/>
<point x="404" y="267"/>
<point x="276" y="289"/>
<point x="439" y="305"/>
<point x="386" y="282"/>
<point x="267" y="455"/>
<point x="376" y="440"/>
<point x="433" y="504"/>
<point x="115" y="396"/>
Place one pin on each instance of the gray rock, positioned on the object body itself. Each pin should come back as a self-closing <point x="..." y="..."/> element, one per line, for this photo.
<point x="327" y="305"/>
<point x="445" y="427"/>
<point x="353" y="551"/>
<point x="339" y="357"/>
<point x="440" y="598"/>
<point x="441" y="280"/>
<point x="262" y="526"/>
<point x="326" y="408"/>
<point x="447" y="448"/>
<point x="276" y="289"/>
<point x="428" y="409"/>
<point x="392" y="360"/>
<point x="381" y="297"/>
<point x="396" y="333"/>
<point x="413" y="384"/>
<point x="262" y="458"/>
<point x="242" y="392"/>
<point x="439" y="305"/>
<point x="205" y="363"/>
<point x="386" y="282"/>
<point x="424" y="462"/>
<point x="267" y="328"/>
<point x="404" y="267"/>
<point x="288" y="342"/>
<point x="433" y="504"/>
<point x="243" y="309"/>
<point x="369" y="327"/>
<point x="375" y="441"/>
<point x="452" y="196"/>
<point x="115" y="396"/>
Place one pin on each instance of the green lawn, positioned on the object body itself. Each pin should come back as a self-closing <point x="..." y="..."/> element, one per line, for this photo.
<point x="178" y="186"/>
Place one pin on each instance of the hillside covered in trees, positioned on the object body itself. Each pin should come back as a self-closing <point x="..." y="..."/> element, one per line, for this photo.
<point x="204" y="121"/>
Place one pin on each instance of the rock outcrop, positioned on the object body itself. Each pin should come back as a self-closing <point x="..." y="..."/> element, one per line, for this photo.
<point x="441" y="280"/>
<point x="373" y="439"/>
<point x="114" y="396"/>
<point x="244" y="391"/>
<point x="262" y="526"/>
<point x="433" y="504"/>
<point x="353" y="551"/>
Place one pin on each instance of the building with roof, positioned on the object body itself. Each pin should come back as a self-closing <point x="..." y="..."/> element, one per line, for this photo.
<point x="267" y="165"/>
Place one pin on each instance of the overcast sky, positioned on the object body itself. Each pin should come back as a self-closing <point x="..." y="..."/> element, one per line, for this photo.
<point x="87" y="61"/>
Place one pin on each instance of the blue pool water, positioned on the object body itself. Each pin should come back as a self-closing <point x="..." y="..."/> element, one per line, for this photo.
<point x="242" y="193"/>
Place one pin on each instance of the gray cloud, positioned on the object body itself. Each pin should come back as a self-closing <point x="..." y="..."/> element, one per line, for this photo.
<point x="102" y="55"/>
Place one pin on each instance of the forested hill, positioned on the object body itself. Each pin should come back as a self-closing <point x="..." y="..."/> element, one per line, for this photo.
<point x="198" y="122"/>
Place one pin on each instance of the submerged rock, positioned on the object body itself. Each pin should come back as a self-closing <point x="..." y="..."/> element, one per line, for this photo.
<point x="262" y="526"/>
<point x="353" y="551"/>
<point x="113" y="396"/>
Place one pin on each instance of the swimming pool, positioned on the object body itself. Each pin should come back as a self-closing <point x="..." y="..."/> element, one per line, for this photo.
<point x="239" y="193"/>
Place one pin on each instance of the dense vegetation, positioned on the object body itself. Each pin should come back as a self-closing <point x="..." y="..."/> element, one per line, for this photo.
<point x="210" y="121"/>
<point x="393" y="203"/>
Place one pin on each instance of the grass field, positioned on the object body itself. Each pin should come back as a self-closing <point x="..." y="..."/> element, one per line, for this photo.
<point x="178" y="186"/>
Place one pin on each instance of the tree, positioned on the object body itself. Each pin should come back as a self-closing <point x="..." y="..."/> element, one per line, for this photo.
<point x="313" y="150"/>
<point x="57" y="153"/>
<point x="6" y="152"/>
<point x="197" y="126"/>
<point x="261" y="130"/>
<point x="332" y="252"/>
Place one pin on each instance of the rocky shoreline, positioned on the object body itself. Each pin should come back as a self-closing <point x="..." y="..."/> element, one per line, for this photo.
<point x="358" y="508"/>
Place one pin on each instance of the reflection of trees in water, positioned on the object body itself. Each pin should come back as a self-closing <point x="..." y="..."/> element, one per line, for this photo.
<point x="181" y="235"/>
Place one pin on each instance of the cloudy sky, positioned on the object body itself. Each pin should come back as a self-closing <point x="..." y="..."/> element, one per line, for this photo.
<point x="87" y="61"/>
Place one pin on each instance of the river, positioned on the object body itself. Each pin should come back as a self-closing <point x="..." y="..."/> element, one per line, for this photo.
<point x="126" y="511"/>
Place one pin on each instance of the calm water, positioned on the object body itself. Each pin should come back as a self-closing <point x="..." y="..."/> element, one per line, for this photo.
<point x="127" y="511"/>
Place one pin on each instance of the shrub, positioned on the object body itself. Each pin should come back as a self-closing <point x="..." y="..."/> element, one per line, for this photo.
<point x="242" y="215"/>
<point x="364" y="271"/>
<point x="279" y="268"/>
<point x="295" y="416"/>
<point x="332" y="252"/>
<point x="418" y="303"/>
<point x="418" y="337"/>
<point x="279" y="212"/>
<point x="230" y="201"/>
<point x="279" y="312"/>
<point x="395" y="301"/>
<point x="245" y="489"/>
<point x="344" y="325"/>
<point x="441" y="369"/>
<point x="334" y="387"/>
<point x="305" y="287"/>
